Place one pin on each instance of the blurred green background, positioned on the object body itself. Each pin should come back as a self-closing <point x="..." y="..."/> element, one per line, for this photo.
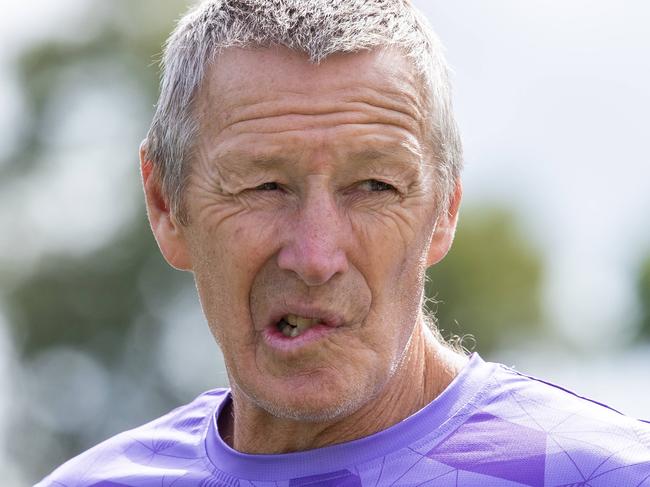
<point x="98" y="334"/>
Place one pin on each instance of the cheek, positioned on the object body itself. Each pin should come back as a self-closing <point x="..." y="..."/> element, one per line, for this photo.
<point x="394" y="260"/>
<point x="226" y="259"/>
<point x="235" y="248"/>
<point x="391" y="244"/>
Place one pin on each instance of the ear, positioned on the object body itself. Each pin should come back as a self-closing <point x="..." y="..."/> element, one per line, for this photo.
<point x="166" y="229"/>
<point x="443" y="234"/>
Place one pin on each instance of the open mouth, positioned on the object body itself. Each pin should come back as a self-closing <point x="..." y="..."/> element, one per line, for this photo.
<point x="292" y="326"/>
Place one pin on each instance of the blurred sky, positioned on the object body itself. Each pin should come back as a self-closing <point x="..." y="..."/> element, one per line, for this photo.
<point x="553" y="103"/>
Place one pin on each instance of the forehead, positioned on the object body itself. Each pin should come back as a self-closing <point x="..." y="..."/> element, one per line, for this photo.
<point x="251" y="84"/>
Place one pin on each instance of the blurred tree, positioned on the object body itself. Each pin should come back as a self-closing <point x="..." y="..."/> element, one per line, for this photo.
<point x="84" y="300"/>
<point x="488" y="286"/>
<point x="97" y="302"/>
<point x="643" y="286"/>
<point x="127" y="37"/>
<point x="90" y="301"/>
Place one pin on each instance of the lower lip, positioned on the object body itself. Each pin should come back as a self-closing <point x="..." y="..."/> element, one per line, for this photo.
<point x="278" y="341"/>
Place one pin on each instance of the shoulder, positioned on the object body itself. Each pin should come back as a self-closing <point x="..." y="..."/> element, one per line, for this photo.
<point x="159" y="449"/>
<point x="576" y="437"/>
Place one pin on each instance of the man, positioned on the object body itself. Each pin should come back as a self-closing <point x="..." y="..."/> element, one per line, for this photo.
<point x="303" y="163"/>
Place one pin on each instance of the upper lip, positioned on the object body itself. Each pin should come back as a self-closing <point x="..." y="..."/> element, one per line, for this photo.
<point x="326" y="317"/>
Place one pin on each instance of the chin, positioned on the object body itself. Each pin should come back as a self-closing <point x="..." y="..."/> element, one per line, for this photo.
<point x="306" y="413"/>
<point x="316" y="402"/>
<point x="314" y="410"/>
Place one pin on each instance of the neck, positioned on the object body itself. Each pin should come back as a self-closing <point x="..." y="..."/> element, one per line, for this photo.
<point x="427" y="369"/>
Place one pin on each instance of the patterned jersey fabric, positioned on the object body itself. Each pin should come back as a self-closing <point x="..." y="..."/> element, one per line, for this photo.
<point x="491" y="427"/>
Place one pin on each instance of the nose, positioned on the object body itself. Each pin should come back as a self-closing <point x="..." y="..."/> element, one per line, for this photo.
<point x="314" y="242"/>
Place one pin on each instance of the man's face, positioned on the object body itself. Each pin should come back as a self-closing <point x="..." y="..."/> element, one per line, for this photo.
<point x="311" y="207"/>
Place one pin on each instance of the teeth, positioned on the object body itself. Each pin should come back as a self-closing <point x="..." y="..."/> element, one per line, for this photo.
<point x="300" y="322"/>
<point x="292" y="325"/>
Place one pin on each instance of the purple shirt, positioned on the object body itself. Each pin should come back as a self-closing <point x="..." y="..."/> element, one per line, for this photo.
<point x="491" y="427"/>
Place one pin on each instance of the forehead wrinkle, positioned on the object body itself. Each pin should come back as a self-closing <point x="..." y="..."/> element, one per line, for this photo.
<point x="385" y="99"/>
<point x="269" y="116"/>
<point x="402" y="95"/>
<point x="389" y="80"/>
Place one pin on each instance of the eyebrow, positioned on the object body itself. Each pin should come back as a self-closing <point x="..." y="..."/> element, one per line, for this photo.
<point x="402" y="158"/>
<point x="262" y="160"/>
<point x="245" y="162"/>
<point x="397" y="155"/>
<point x="373" y="154"/>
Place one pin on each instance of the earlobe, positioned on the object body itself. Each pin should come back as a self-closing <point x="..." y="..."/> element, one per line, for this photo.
<point x="166" y="229"/>
<point x="445" y="228"/>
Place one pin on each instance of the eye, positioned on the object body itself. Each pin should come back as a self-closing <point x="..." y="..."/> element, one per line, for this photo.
<point x="270" y="186"/>
<point x="374" y="185"/>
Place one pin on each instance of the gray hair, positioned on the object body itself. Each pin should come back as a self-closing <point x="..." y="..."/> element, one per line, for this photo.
<point x="318" y="28"/>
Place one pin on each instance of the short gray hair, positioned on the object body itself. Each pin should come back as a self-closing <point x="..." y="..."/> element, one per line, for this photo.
<point x="318" y="28"/>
